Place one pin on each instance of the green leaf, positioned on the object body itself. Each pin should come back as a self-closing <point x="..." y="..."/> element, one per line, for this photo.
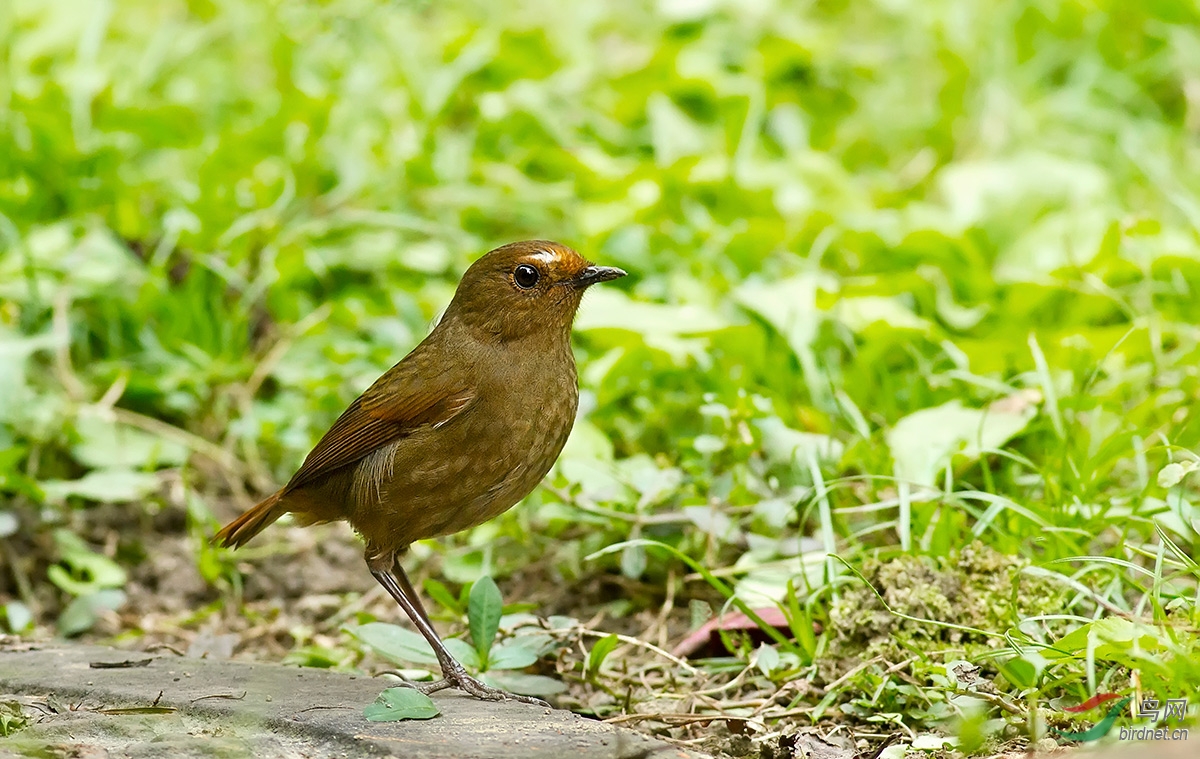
<point x="515" y="653"/>
<point x="672" y="134"/>
<point x="1172" y="474"/>
<point x="18" y="616"/>
<point x="109" y="445"/>
<point x="1020" y="671"/>
<point x="104" y="485"/>
<point x="395" y="643"/>
<point x="788" y="446"/>
<point x="81" y="613"/>
<point x="787" y="305"/>
<point x="484" y="608"/>
<point x="1110" y="638"/>
<point x="978" y="189"/>
<point x="598" y="654"/>
<point x="613" y="309"/>
<point x="932" y="742"/>
<point x="401" y="703"/>
<point x="12" y="718"/>
<point x="922" y="442"/>
<point x="766" y="658"/>
<point x="440" y="593"/>
<point x="464" y="652"/>
<point x="633" y="561"/>
<point x="89" y="571"/>
<point x="712" y="521"/>
<point x="860" y="313"/>
<point x="527" y="685"/>
<point x="708" y="444"/>
<point x="16" y="394"/>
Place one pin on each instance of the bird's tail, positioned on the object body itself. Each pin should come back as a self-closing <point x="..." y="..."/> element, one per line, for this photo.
<point x="254" y="521"/>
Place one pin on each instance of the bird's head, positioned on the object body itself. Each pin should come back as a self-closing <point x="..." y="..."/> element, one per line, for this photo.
<point x="525" y="288"/>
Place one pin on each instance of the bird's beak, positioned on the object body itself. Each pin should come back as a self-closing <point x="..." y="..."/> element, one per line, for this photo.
<point x="593" y="274"/>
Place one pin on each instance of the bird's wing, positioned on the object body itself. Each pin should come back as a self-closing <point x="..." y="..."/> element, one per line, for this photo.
<point x="400" y="402"/>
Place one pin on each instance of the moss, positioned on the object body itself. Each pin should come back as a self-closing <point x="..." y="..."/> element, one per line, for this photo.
<point x="976" y="588"/>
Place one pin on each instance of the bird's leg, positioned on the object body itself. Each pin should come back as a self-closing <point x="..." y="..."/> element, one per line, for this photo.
<point x="388" y="571"/>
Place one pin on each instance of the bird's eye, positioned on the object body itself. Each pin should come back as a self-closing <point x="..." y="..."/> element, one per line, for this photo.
<point x="526" y="276"/>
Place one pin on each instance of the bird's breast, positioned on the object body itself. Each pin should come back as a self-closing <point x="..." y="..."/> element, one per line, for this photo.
<point x="441" y="480"/>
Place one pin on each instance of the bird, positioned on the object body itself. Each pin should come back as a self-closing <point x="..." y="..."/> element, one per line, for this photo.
<point x="456" y="433"/>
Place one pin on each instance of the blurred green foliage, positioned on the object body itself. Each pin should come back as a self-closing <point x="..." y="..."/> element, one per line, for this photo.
<point x="949" y="242"/>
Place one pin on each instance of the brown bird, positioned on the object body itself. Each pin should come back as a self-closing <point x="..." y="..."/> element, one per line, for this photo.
<point x="464" y="427"/>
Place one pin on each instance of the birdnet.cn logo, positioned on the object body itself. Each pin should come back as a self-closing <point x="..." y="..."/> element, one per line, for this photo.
<point x="1159" y="715"/>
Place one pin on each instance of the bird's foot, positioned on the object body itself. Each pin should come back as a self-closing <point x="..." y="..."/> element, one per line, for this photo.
<point x="458" y="678"/>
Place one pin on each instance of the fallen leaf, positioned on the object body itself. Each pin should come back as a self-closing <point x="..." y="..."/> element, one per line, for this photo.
<point x="401" y="703"/>
<point x="708" y="632"/>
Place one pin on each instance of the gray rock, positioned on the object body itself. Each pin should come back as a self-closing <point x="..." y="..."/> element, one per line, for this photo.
<point x="168" y="706"/>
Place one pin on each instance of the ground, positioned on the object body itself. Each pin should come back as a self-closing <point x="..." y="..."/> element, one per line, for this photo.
<point x="889" y="439"/>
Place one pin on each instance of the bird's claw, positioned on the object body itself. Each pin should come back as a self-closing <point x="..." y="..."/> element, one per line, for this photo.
<point x="464" y="682"/>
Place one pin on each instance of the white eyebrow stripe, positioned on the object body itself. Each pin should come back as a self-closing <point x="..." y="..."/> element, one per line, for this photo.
<point x="544" y="256"/>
